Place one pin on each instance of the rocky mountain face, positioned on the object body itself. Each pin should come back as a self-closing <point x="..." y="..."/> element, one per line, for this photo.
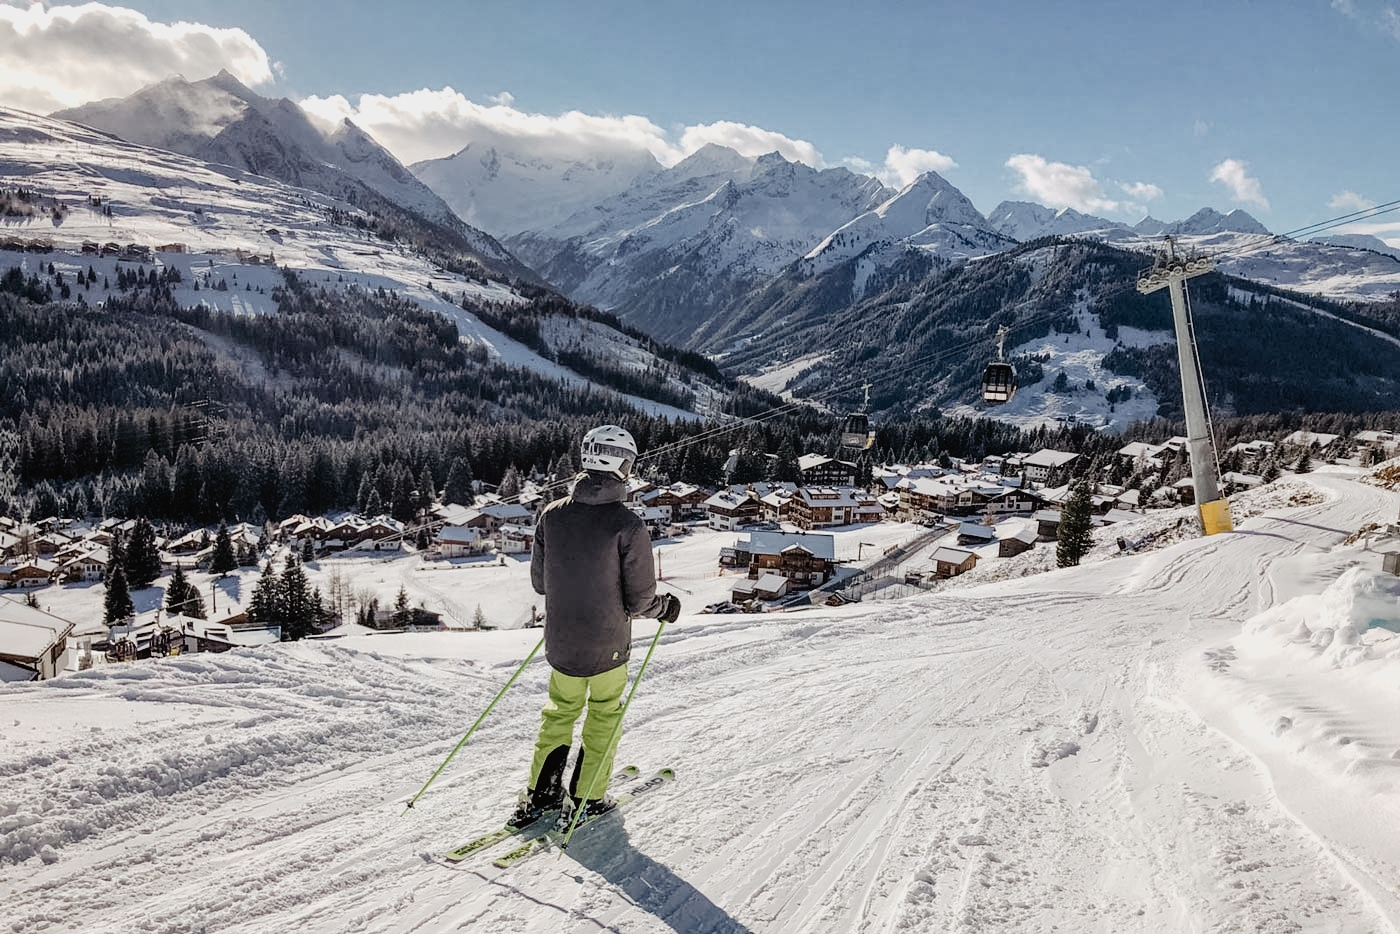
<point x="708" y="253"/>
<point x="685" y="244"/>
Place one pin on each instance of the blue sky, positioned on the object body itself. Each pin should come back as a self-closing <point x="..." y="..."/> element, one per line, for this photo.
<point x="1289" y="109"/>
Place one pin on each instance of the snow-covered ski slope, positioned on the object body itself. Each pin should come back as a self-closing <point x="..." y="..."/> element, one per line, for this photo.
<point x="1198" y="738"/>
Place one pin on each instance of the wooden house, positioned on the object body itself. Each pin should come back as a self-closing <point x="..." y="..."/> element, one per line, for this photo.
<point x="950" y="562"/>
<point x="807" y="560"/>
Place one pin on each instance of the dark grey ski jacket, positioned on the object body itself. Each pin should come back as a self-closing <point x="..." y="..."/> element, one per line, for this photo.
<point x="592" y="561"/>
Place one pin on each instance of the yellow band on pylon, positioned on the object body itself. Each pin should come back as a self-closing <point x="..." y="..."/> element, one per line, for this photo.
<point x="1215" y="517"/>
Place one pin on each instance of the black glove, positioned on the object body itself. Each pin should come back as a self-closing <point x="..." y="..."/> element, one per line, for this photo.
<point x="670" y="608"/>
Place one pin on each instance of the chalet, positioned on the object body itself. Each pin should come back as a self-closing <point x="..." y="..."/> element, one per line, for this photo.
<point x="1047" y="466"/>
<point x="1141" y="454"/>
<point x="450" y="514"/>
<point x="971" y="533"/>
<point x="88" y="566"/>
<point x="1047" y="524"/>
<point x="1185" y="490"/>
<point x="495" y="515"/>
<point x="91" y="247"/>
<point x="682" y="500"/>
<point x="656" y="518"/>
<point x="764" y="587"/>
<point x="1243" y="481"/>
<point x="1021" y="542"/>
<point x="729" y="509"/>
<point x="973" y="497"/>
<point x="381" y="532"/>
<point x="1012" y="502"/>
<point x="950" y="562"/>
<point x="820" y="470"/>
<point x="775" y="503"/>
<point x="923" y="498"/>
<point x="232" y="632"/>
<point x="806" y="559"/>
<point x="814" y="507"/>
<point x="33" y="644"/>
<point x="32" y="572"/>
<point x="513" y="539"/>
<point x="49" y="543"/>
<point x="189" y="543"/>
<point x="1310" y="439"/>
<point x="455" y="541"/>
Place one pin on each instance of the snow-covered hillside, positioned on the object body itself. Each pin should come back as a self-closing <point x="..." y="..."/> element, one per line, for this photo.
<point x="1200" y="737"/>
<point x="220" y="120"/>
<point x="229" y="232"/>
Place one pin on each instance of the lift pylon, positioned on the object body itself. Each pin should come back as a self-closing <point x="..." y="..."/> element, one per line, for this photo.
<point x="1171" y="272"/>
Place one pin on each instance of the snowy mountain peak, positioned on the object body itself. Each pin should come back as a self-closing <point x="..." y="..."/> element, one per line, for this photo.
<point x="1026" y="220"/>
<point x="1208" y="221"/>
<point x="929" y="213"/>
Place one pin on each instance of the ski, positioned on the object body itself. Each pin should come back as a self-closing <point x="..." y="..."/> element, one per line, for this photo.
<point x="490" y="838"/>
<point x="553" y="837"/>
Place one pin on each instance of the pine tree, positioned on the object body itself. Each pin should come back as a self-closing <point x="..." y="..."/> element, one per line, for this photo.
<point x="402" y="616"/>
<point x="117" y="606"/>
<point x="142" y="556"/>
<point x="459" y="483"/>
<point x="262" y="605"/>
<point x="223" y="560"/>
<point x="298" y="616"/>
<point x="183" y="597"/>
<point x="1304" y="464"/>
<point x="509" y="488"/>
<point x="1075" y="536"/>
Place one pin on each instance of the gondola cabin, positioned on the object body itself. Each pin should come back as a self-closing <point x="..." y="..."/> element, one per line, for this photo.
<point x="856" y="433"/>
<point x="998" y="383"/>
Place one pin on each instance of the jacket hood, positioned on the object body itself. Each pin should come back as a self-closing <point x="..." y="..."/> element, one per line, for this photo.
<point x="597" y="488"/>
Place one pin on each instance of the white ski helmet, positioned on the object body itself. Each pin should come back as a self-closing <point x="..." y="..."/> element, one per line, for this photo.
<point x="609" y="449"/>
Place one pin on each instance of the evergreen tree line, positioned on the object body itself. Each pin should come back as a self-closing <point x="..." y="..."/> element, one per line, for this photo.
<point x="360" y="400"/>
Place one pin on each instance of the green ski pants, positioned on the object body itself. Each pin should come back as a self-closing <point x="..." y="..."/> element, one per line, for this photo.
<point x="567" y="697"/>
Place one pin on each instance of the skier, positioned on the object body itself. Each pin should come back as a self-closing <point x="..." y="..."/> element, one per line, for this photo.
<point x="592" y="562"/>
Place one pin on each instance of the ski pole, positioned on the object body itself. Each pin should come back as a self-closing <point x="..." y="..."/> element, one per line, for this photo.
<point x="499" y="695"/>
<point x="612" y="741"/>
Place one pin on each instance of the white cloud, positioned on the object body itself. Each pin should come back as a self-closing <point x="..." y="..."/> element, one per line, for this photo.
<point x="902" y="165"/>
<point x="428" y="124"/>
<point x="749" y="141"/>
<point x="1141" y="191"/>
<point x="1381" y="17"/>
<point x="63" y="56"/>
<point x="1350" y="201"/>
<point x="1234" y="175"/>
<point x="1060" y="185"/>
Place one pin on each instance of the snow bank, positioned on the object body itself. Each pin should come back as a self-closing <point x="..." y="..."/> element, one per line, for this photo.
<point x="1354" y="620"/>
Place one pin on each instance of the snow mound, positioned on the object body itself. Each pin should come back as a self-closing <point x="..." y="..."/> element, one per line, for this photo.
<point x="1337" y="623"/>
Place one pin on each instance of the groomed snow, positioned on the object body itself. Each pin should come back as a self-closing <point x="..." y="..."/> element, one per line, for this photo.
<point x="1200" y="737"/>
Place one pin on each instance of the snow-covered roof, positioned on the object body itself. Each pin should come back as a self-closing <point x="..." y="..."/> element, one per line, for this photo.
<point x="951" y="555"/>
<point x="775" y="543"/>
<point x="458" y="535"/>
<point x="26" y="632"/>
<point x="1049" y="458"/>
<point x="1310" y="437"/>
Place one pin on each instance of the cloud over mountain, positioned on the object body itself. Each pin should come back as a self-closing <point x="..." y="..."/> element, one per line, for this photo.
<point x="52" y="60"/>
